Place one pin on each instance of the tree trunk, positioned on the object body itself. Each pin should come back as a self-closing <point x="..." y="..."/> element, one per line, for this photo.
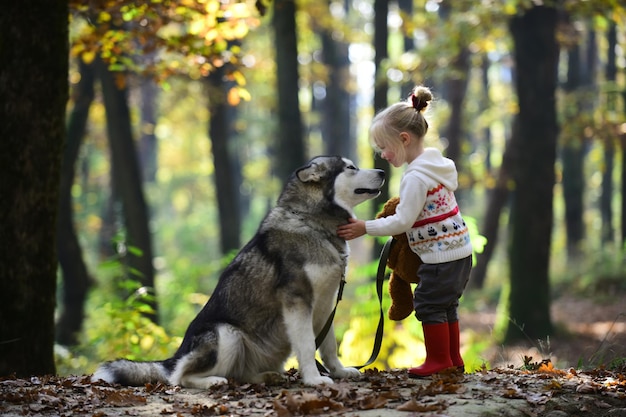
<point x="455" y="91"/>
<point x="290" y="152"/>
<point x="337" y="131"/>
<point x="34" y="91"/>
<point x="227" y="179"/>
<point x="406" y="7"/>
<point x="109" y="227"/>
<point x="573" y="158"/>
<point x="498" y="198"/>
<point x="381" y="86"/>
<point x="623" y="189"/>
<point x="149" y="92"/>
<point x="580" y="74"/>
<point x="137" y="254"/>
<point x="76" y="280"/>
<point x="606" y="211"/>
<point x="485" y="105"/>
<point x="536" y="57"/>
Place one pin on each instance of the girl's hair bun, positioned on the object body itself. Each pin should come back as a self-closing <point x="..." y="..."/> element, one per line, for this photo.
<point x="420" y="96"/>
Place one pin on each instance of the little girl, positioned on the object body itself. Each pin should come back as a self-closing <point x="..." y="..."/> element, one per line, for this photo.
<point x="429" y="215"/>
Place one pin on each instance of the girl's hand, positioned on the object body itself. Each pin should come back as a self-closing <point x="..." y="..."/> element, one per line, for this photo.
<point x="355" y="228"/>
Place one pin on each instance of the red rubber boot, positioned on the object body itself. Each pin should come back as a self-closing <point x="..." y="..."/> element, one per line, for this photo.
<point x="437" y="341"/>
<point x="455" y="346"/>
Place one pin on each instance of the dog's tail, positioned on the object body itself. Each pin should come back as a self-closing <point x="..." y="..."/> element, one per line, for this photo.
<point x="131" y="373"/>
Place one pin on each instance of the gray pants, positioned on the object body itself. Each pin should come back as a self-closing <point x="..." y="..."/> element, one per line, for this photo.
<point x="436" y="298"/>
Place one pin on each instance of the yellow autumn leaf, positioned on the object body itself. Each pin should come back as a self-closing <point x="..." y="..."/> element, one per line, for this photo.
<point x="211" y="35"/>
<point x="245" y="94"/>
<point x="239" y="31"/>
<point x="88" y="57"/>
<point x="147" y="341"/>
<point x="239" y="11"/>
<point x="233" y="96"/>
<point x="239" y="78"/>
<point x="212" y="7"/>
<point x="104" y="17"/>
<point x="77" y="49"/>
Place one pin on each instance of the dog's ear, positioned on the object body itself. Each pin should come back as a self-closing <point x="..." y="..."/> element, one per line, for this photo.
<point x="309" y="173"/>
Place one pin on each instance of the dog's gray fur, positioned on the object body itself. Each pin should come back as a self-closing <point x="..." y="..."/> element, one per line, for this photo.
<point x="277" y="293"/>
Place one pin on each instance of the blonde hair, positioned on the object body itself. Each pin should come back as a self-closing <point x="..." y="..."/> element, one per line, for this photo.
<point x="405" y="116"/>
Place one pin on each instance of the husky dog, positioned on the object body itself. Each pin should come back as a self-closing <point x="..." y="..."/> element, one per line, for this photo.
<point x="277" y="293"/>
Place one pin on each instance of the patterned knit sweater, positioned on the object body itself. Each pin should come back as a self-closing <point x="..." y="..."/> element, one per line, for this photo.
<point x="428" y="212"/>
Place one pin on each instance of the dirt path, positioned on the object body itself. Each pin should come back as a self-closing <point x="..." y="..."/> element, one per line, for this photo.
<point x="589" y="333"/>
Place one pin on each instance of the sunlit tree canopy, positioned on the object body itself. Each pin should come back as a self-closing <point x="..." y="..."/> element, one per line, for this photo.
<point x="162" y="37"/>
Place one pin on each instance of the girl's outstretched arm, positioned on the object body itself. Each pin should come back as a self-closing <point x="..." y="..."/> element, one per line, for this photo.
<point x="355" y="228"/>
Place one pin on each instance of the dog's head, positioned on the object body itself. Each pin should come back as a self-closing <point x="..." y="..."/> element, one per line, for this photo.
<point x="341" y="181"/>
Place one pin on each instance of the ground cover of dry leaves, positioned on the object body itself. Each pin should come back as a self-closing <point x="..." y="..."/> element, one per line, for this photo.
<point x="540" y="391"/>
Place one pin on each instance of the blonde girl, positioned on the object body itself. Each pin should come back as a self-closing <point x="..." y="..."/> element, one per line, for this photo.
<point x="429" y="215"/>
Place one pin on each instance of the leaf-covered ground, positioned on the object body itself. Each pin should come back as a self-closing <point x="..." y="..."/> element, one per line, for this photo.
<point x="544" y="391"/>
<point x="590" y="332"/>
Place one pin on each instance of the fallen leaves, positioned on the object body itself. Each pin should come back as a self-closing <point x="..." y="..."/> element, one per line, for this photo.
<point x="390" y="392"/>
<point x="420" y="407"/>
<point x="118" y="397"/>
<point x="304" y="403"/>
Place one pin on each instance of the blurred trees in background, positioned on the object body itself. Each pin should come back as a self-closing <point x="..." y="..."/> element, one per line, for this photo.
<point x="187" y="116"/>
<point x="76" y="276"/>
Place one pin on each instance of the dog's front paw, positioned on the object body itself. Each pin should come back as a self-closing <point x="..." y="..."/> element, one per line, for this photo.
<point x="317" y="380"/>
<point x="351" y="373"/>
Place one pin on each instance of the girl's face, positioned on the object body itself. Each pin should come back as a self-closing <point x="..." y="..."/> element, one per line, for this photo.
<point x="391" y="155"/>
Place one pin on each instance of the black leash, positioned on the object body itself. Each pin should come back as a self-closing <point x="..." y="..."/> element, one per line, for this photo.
<point x="380" y="278"/>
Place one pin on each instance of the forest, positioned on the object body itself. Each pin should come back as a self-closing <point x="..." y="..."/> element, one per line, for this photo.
<point x="143" y="142"/>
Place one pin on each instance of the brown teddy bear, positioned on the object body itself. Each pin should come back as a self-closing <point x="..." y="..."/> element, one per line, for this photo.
<point x="404" y="264"/>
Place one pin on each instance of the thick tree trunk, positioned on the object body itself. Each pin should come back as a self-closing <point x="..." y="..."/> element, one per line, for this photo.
<point x="76" y="279"/>
<point x="226" y="176"/>
<point x="127" y="182"/>
<point x="34" y="91"/>
<point x="536" y="57"/>
<point x="290" y="152"/>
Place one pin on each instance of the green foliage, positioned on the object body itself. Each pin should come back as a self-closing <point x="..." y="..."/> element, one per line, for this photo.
<point x="120" y="328"/>
<point x="116" y="326"/>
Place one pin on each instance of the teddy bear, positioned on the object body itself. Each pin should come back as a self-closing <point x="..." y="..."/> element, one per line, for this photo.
<point x="404" y="264"/>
